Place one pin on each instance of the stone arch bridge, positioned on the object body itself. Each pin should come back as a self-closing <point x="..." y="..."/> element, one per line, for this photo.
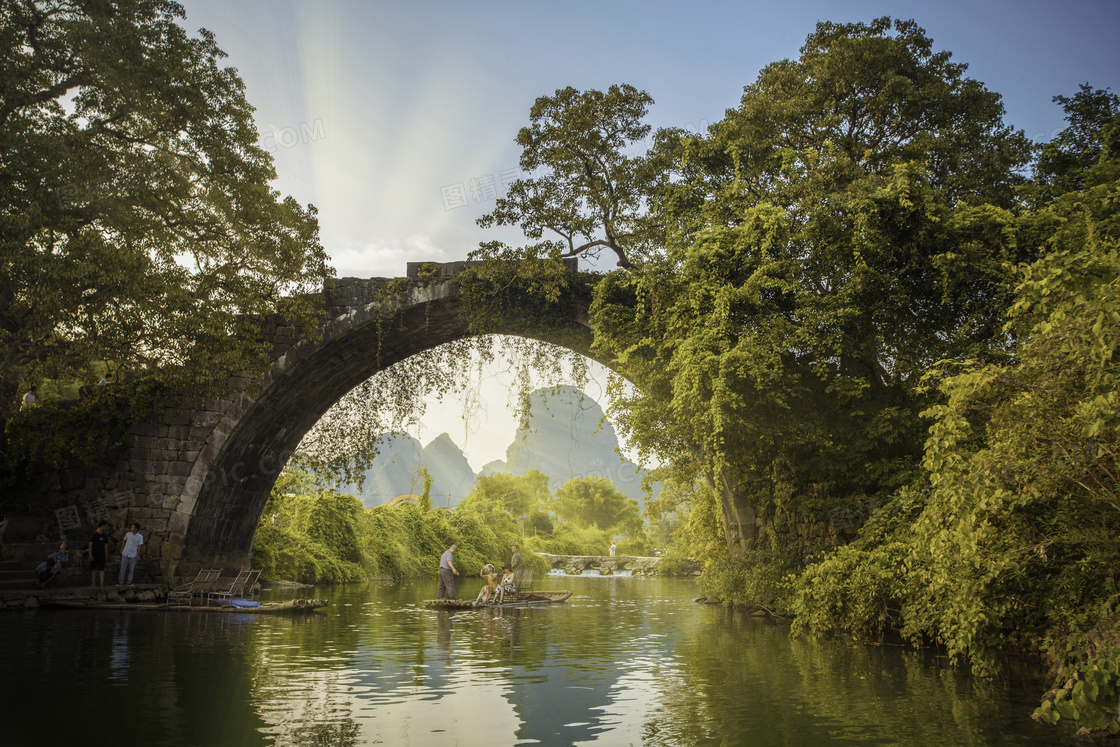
<point x="196" y="474"/>
<point x="606" y="565"/>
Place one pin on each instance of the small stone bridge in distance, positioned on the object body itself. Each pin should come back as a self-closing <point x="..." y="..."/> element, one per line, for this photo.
<point x="196" y="474"/>
<point x="607" y="565"/>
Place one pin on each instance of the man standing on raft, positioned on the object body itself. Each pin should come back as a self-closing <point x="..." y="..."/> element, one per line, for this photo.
<point x="446" y="569"/>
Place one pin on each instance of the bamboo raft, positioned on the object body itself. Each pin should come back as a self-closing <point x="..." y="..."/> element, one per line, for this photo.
<point x="534" y="599"/>
<point x="291" y="607"/>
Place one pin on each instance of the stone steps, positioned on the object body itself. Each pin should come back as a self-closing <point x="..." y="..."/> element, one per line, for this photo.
<point x="17" y="574"/>
<point x="21" y="559"/>
<point x="32" y="599"/>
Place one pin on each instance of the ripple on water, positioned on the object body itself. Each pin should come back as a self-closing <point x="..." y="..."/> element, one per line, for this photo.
<point x="625" y="661"/>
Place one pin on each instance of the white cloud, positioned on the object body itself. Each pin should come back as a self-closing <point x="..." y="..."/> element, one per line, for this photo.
<point x="385" y="258"/>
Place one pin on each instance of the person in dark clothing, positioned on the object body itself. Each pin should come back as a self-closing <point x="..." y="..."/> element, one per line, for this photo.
<point x="98" y="554"/>
<point x="48" y="572"/>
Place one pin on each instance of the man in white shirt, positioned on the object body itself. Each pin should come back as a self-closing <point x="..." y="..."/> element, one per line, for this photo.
<point x="131" y="548"/>
<point x="446" y="568"/>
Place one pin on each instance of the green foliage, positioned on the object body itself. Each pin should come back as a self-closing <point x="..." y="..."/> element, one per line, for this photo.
<point x="90" y="429"/>
<point x="595" y="501"/>
<point x="137" y="224"/>
<point x="312" y="535"/>
<point x="1076" y="158"/>
<point x="425" y="501"/>
<point x="315" y="535"/>
<point x="524" y="295"/>
<point x="755" y="578"/>
<point x="285" y="554"/>
<point x="1014" y="541"/>
<point x="852" y="591"/>
<point x="501" y="499"/>
<point x="674" y="565"/>
<point x="842" y="230"/>
<point x="856" y="589"/>
<point x="1089" y="696"/>
<point x="571" y="539"/>
<point x="853" y="225"/>
<point x="586" y="195"/>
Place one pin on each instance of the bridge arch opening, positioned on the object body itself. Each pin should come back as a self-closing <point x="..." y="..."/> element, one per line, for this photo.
<point x="234" y="475"/>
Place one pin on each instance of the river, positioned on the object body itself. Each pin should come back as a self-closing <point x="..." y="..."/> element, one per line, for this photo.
<point x="626" y="661"/>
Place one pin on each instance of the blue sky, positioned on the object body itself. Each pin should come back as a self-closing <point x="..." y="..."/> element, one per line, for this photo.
<point x="381" y="114"/>
<point x="397" y="119"/>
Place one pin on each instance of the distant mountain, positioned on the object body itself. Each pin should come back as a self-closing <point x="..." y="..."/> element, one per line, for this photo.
<point x="396" y="470"/>
<point x="395" y="473"/>
<point x="452" y="476"/>
<point x="491" y="468"/>
<point x="563" y="436"/>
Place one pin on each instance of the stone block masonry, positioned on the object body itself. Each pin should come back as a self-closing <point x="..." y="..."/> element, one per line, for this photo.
<point x="196" y="474"/>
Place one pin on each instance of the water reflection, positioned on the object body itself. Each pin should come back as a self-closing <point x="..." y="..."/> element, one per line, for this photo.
<point x="625" y="661"/>
<point x="118" y="659"/>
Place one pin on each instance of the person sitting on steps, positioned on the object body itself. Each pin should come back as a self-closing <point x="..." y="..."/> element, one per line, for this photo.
<point x="48" y="572"/>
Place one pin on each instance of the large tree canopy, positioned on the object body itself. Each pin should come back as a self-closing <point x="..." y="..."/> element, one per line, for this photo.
<point x="842" y="230"/>
<point x="595" y="501"/>
<point x="1011" y="535"/>
<point x="1086" y="152"/>
<point x="585" y="193"/>
<point x="137" y="225"/>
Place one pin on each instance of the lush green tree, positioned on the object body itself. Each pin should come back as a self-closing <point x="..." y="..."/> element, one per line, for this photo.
<point x="1011" y="538"/>
<point x="137" y="225"/>
<point x="571" y="539"/>
<point x="1092" y="139"/>
<point x="842" y="230"/>
<point x="595" y="501"/>
<point x="309" y="534"/>
<point x="505" y="500"/>
<point x="585" y="194"/>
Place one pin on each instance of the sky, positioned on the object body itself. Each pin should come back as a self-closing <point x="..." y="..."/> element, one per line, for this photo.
<point x="398" y="120"/>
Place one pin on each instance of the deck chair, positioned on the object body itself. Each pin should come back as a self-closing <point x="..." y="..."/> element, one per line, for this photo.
<point x="241" y="588"/>
<point x="202" y="585"/>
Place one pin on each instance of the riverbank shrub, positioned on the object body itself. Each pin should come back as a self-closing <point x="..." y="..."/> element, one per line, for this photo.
<point x="285" y="554"/>
<point x="1010" y="542"/>
<point x="311" y="534"/>
<point x="569" y="539"/>
<point x="757" y="578"/>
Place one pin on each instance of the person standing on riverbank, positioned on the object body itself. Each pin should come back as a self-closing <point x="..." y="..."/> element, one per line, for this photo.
<point x="446" y="569"/>
<point x="98" y="554"/>
<point x="132" y="542"/>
